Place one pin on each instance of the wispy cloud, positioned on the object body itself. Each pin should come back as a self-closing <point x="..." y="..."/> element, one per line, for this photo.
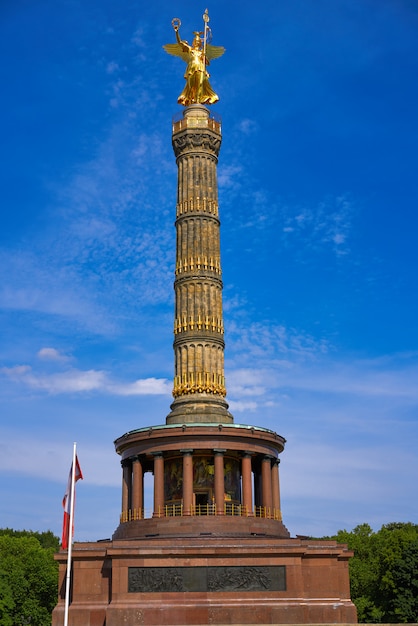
<point x="247" y="126"/>
<point x="327" y="224"/>
<point x="239" y="406"/>
<point x="112" y="67"/>
<point x="249" y="208"/>
<point x="90" y="257"/>
<point x="265" y="341"/>
<point x="50" y="459"/>
<point x="229" y="176"/>
<point x="331" y="374"/>
<point x="79" y="381"/>
<point x="271" y="366"/>
<point x="52" y="354"/>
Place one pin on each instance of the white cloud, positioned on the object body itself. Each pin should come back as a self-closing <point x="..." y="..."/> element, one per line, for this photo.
<point x="239" y="406"/>
<point x="85" y="265"/>
<point x="246" y="382"/>
<point x="78" y="381"/>
<point x="329" y="376"/>
<point x="42" y="284"/>
<point x="247" y="126"/>
<point x="112" y="67"/>
<point x="51" y="354"/>
<point x="397" y="380"/>
<point x="63" y="382"/>
<point x="329" y="222"/>
<point x="138" y="37"/>
<point x="266" y="341"/>
<point x="229" y="176"/>
<point x="146" y="386"/>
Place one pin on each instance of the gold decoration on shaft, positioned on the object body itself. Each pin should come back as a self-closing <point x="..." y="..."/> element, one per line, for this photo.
<point x="195" y="205"/>
<point x="200" y="263"/>
<point x="197" y="56"/>
<point x="199" y="382"/>
<point x="201" y="322"/>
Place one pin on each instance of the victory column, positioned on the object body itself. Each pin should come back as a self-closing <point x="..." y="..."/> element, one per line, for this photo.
<point x="213" y="549"/>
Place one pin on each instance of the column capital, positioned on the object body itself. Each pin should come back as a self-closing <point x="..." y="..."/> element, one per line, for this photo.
<point x="247" y="453"/>
<point x="186" y="451"/>
<point x="268" y="457"/>
<point x="219" y="451"/>
<point x="192" y="140"/>
<point x="157" y="454"/>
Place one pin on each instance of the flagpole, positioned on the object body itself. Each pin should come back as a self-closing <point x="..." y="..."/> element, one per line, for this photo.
<point x="70" y="538"/>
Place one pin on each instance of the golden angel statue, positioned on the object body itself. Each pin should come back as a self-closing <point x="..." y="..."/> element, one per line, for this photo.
<point x="197" y="56"/>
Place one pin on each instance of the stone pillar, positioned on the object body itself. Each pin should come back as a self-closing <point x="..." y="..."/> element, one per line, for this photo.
<point x="267" y="498"/>
<point x="219" y="481"/>
<point x="247" y="493"/>
<point x="158" y="484"/>
<point x="258" y="500"/>
<point x="187" y="482"/>
<point x="275" y="486"/>
<point x="199" y="380"/>
<point x="137" y="488"/>
<point x="126" y="486"/>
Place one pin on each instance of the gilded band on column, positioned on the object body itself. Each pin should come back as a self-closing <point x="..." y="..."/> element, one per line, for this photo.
<point x="200" y="323"/>
<point x="199" y="382"/>
<point x="197" y="205"/>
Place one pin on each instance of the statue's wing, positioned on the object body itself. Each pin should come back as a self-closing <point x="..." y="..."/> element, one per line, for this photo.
<point x="177" y="51"/>
<point x="213" y="52"/>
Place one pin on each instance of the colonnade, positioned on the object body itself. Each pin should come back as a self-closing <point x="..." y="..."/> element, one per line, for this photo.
<point x="259" y="486"/>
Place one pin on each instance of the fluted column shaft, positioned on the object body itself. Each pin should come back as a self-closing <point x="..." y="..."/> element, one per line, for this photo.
<point x="199" y="380"/>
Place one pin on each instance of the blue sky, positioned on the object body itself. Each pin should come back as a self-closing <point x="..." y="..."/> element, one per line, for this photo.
<point x="318" y="202"/>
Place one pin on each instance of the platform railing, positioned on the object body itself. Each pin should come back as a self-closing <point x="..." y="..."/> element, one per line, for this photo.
<point x="177" y="510"/>
<point x="213" y="122"/>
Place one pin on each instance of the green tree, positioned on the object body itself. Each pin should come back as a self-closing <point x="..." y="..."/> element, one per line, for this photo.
<point x="364" y="571"/>
<point x="6" y="600"/>
<point x="28" y="581"/>
<point x="383" y="572"/>
<point x="405" y="579"/>
<point x="398" y="561"/>
<point x="47" y="539"/>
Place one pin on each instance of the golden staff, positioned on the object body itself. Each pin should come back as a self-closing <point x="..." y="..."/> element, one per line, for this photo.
<point x="206" y="20"/>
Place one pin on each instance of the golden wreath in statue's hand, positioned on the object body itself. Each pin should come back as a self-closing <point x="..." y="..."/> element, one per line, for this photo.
<point x="176" y="23"/>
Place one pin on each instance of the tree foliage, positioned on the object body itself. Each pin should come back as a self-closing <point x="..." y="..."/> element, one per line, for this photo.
<point x="47" y="539"/>
<point x="384" y="572"/>
<point x="28" y="577"/>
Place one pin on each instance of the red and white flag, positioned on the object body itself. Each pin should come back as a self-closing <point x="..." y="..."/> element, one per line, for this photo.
<point x="66" y="503"/>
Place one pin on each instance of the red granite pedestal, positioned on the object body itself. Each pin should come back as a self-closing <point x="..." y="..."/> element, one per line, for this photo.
<point x="248" y="575"/>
